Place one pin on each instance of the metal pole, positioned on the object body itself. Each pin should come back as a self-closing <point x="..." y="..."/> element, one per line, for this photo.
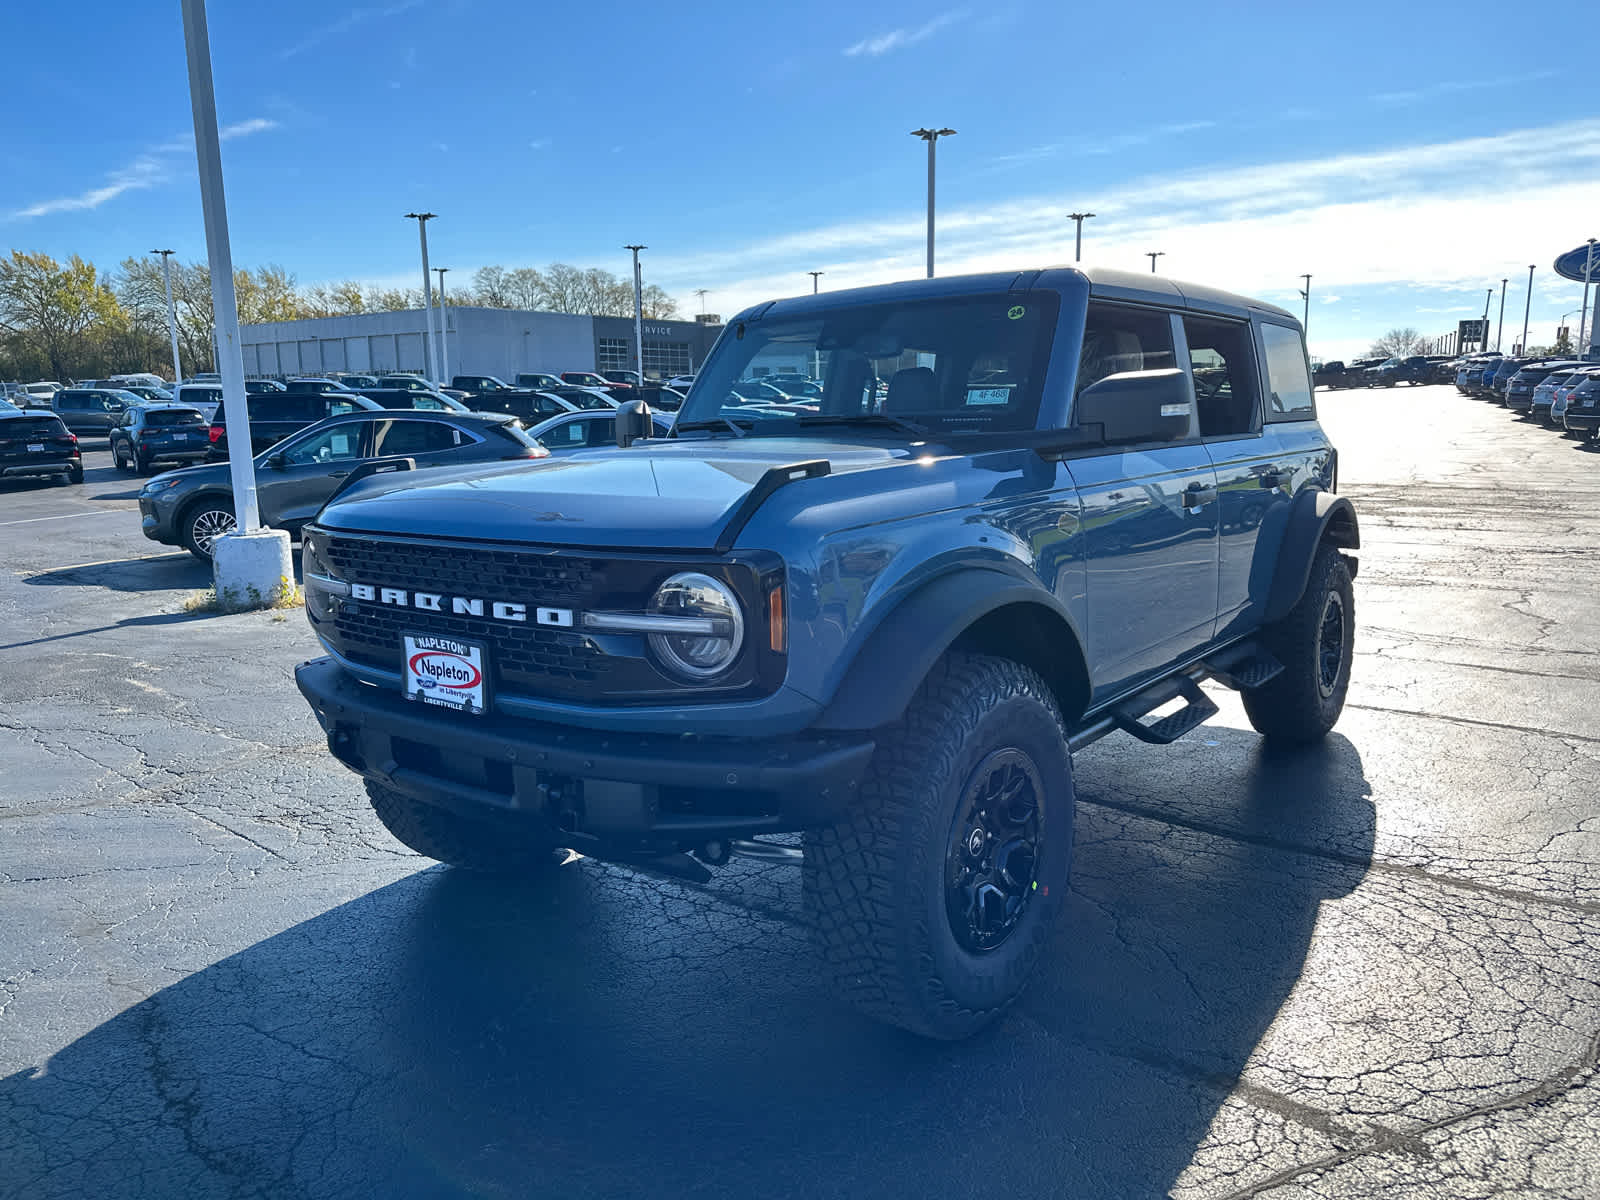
<point x="1581" y="347"/>
<point x="1526" y="309"/>
<point x="172" y="315"/>
<point x="1077" y="248"/>
<point x="1484" y="343"/>
<point x="213" y="205"/>
<point x="814" y="276"/>
<point x="429" y="356"/>
<point x="1305" y="322"/>
<point x="931" y="136"/>
<point x="638" y="312"/>
<point x="1500" y="328"/>
<point x="1152" y="255"/>
<point x="444" y="330"/>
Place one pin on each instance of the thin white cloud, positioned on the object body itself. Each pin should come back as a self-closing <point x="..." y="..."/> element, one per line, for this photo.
<point x="539" y="144"/>
<point x="1450" y="87"/>
<point x="351" y="19"/>
<point x="895" y="39"/>
<point x="153" y="168"/>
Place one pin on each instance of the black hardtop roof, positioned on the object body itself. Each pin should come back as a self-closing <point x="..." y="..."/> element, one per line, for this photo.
<point x="1101" y="282"/>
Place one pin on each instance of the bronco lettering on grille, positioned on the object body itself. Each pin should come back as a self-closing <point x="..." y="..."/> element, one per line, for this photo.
<point x="460" y="606"/>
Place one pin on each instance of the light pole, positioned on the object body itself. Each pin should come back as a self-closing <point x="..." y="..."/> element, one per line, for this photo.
<point x="444" y="330"/>
<point x="701" y="294"/>
<point x="931" y="136"/>
<point x="1305" y="322"/>
<point x="1562" y="323"/>
<point x="430" y="356"/>
<point x="219" y="252"/>
<point x="638" y="310"/>
<point x="1500" y="326"/>
<point x="1152" y="255"/>
<point x="1527" y="307"/>
<point x="815" y="275"/>
<point x="172" y="315"/>
<point x="1582" y="346"/>
<point x="1077" y="246"/>
<point x="1483" y="345"/>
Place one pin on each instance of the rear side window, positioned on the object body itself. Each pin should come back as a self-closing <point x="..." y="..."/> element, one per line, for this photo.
<point x="417" y="437"/>
<point x="70" y="401"/>
<point x="1288" y="388"/>
<point x="1118" y="340"/>
<point x="1222" y="359"/>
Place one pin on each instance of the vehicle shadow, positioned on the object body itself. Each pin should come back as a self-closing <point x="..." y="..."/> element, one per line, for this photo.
<point x="593" y="1033"/>
<point x="176" y="569"/>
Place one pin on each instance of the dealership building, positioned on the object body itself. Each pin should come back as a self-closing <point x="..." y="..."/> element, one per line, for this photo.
<point x="479" y="341"/>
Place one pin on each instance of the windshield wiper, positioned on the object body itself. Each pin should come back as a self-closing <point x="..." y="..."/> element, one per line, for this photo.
<point x="883" y="420"/>
<point x="713" y="423"/>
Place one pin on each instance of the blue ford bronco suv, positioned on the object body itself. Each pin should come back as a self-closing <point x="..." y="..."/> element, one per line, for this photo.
<point x="1018" y="512"/>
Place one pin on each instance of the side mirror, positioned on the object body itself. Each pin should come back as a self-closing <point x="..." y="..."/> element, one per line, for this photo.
<point x="1138" y="406"/>
<point x="277" y="461"/>
<point x="633" y="422"/>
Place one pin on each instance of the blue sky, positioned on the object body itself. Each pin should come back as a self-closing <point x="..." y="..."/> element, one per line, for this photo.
<point x="1407" y="155"/>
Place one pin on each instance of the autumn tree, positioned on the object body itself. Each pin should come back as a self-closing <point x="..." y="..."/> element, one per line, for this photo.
<point x="61" y="308"/>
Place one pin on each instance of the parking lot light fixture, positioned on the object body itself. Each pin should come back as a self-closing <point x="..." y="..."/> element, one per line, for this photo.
<point x="1077" y="240"/>
<point x="1500" y="326"/>
<point x="638" y="312"/>
<point x="1483" y="345"/>
<point x="1152" y="255"/>
<point x="1305" y="294"/>
<point x="1527" y="308"/>
<point x="1581" y="346"/>
<point x="172" y="314"/>
<point x="931" y="136"/>
<point x="429" y="355"/>
<point x="815" y="275"/>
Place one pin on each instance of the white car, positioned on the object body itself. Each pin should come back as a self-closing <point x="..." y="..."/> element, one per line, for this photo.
<point x="680" y="383"/>
<point x="587" y="430"/>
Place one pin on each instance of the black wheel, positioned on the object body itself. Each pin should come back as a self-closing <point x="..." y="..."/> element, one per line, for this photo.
<point x="459" y="841"/>
<point x="141" y="464"/>
<point x="120" y="457"/>
<point x="933" y="900"/>
<point x="204" y="522"/>
<point x="1315" y="643"/>
<point x="1591" y="433"/>
<point x="75" y="475"/>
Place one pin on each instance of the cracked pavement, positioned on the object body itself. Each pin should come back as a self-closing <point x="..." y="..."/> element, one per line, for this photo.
<point x="1371" y="969"/>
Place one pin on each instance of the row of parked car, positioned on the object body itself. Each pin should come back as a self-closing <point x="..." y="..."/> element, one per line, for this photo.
<point x="1411" y="369"/>
<point x="1563" y="393"/>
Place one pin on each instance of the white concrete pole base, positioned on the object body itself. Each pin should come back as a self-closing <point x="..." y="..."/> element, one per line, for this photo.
<point x="252" y="570"/>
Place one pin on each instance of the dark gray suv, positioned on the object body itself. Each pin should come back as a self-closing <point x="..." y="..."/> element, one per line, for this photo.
<point x="91" y="412"/>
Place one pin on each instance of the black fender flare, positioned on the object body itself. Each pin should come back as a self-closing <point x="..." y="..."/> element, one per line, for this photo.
<point x="1316" y="516"/>
<point x="898" y="654"/>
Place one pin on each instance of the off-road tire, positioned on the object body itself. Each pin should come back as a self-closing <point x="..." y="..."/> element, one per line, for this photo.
<point x="874" y="885"/>
<point x="1298" y="706"/>
<point x="459" y="841"/>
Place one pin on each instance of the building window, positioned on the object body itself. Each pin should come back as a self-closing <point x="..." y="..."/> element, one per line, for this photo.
<point x="664" y="360"/>
<point x="614" y="354"/>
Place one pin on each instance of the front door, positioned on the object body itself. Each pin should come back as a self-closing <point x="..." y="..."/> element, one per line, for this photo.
<point x="314" y="465"/>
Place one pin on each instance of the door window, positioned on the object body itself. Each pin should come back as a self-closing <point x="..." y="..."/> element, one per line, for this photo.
<point x="602" y="431"/>
<point x="566" y="437"/>
<point x="416" y="437"/>
<point x="1289" y="390"/>
<point x="1224" y="371"/>
<point x="1118" y="340"/>
<point x="339" y="444"/>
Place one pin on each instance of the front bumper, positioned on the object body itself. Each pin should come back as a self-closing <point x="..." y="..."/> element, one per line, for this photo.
<point x="156" y="521"/>
<point x="600" y="791"/>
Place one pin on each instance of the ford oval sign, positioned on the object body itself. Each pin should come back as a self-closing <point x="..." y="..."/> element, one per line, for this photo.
<point x="1570" y="265"/>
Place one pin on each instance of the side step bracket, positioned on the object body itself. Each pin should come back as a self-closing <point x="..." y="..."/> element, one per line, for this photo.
<point x="1199" y="708"/>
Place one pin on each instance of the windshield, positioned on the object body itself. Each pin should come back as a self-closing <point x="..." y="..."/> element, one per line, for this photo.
<point x="972" y="364"/>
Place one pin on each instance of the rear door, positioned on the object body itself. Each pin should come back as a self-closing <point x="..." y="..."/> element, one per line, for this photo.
<point x="1148" y="517"/>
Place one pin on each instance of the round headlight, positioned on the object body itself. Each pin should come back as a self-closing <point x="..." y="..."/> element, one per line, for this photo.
<point x="710" y="648"/>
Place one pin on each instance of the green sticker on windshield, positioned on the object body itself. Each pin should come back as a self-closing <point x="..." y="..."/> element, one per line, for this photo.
<point x="1016" y="312"/>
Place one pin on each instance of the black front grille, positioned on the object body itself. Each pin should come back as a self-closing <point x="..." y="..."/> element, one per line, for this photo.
<point x="524" y="658"/>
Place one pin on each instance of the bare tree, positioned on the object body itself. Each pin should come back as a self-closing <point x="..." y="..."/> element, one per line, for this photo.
<point x="1397" y="343"/>
<point x="659" y="306"/>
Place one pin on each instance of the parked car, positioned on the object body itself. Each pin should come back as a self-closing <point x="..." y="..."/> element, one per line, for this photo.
<point x="406" y="398"/>
<point x="529" y="407"/>
<point x="1362" y="372"/>
<point x="150" y="395"/>
<point x="355" y="382"/>
<point x="263" y="385"/>
<point x="276" y="415"/>
<point x="43" y="389"/>
<point x="681" y="383"/>
<point x="1521" y="385"/>
<point x="660" y="399"/>
<point x="35" y="443"/>
<point x="538" y="381"/>
<point x="627" y="379"/>
<point x="91" y="412"/>
<point x="316" y="386"/>
<point x="1412" y="370"/>
<point x="1504" y="370"/>
<point x="478" y="384"/>
<point x="152" y="433"/>
<point x="1469" y="375"/>
<point x="588" y="379"/>
<point x="7" y="406"/>
<point x="414" y="383"/>
<point x="1544" y="395"/>
<point x="587" y="430"/>
<point x="1582" y="414"/>
<point x="1330" y="375"/>
<point x="876" y="631"/>
<point x="207" y="397"/>
<point x="1562" y="396"/>
<point x="192" y="507"/>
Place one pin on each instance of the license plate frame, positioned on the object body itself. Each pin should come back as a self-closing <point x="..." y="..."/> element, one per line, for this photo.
<point x="440" y="671"/>
<point x="35" y="447"/>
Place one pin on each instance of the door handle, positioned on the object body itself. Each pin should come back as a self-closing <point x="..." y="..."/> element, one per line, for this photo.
<point x="337" y="474"/>
<point x="1195" y="495"/>
<point x="1272" y="479"/>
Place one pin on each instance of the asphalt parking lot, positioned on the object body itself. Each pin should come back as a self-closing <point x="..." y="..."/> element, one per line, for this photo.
<point x="1366" y="970"/>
